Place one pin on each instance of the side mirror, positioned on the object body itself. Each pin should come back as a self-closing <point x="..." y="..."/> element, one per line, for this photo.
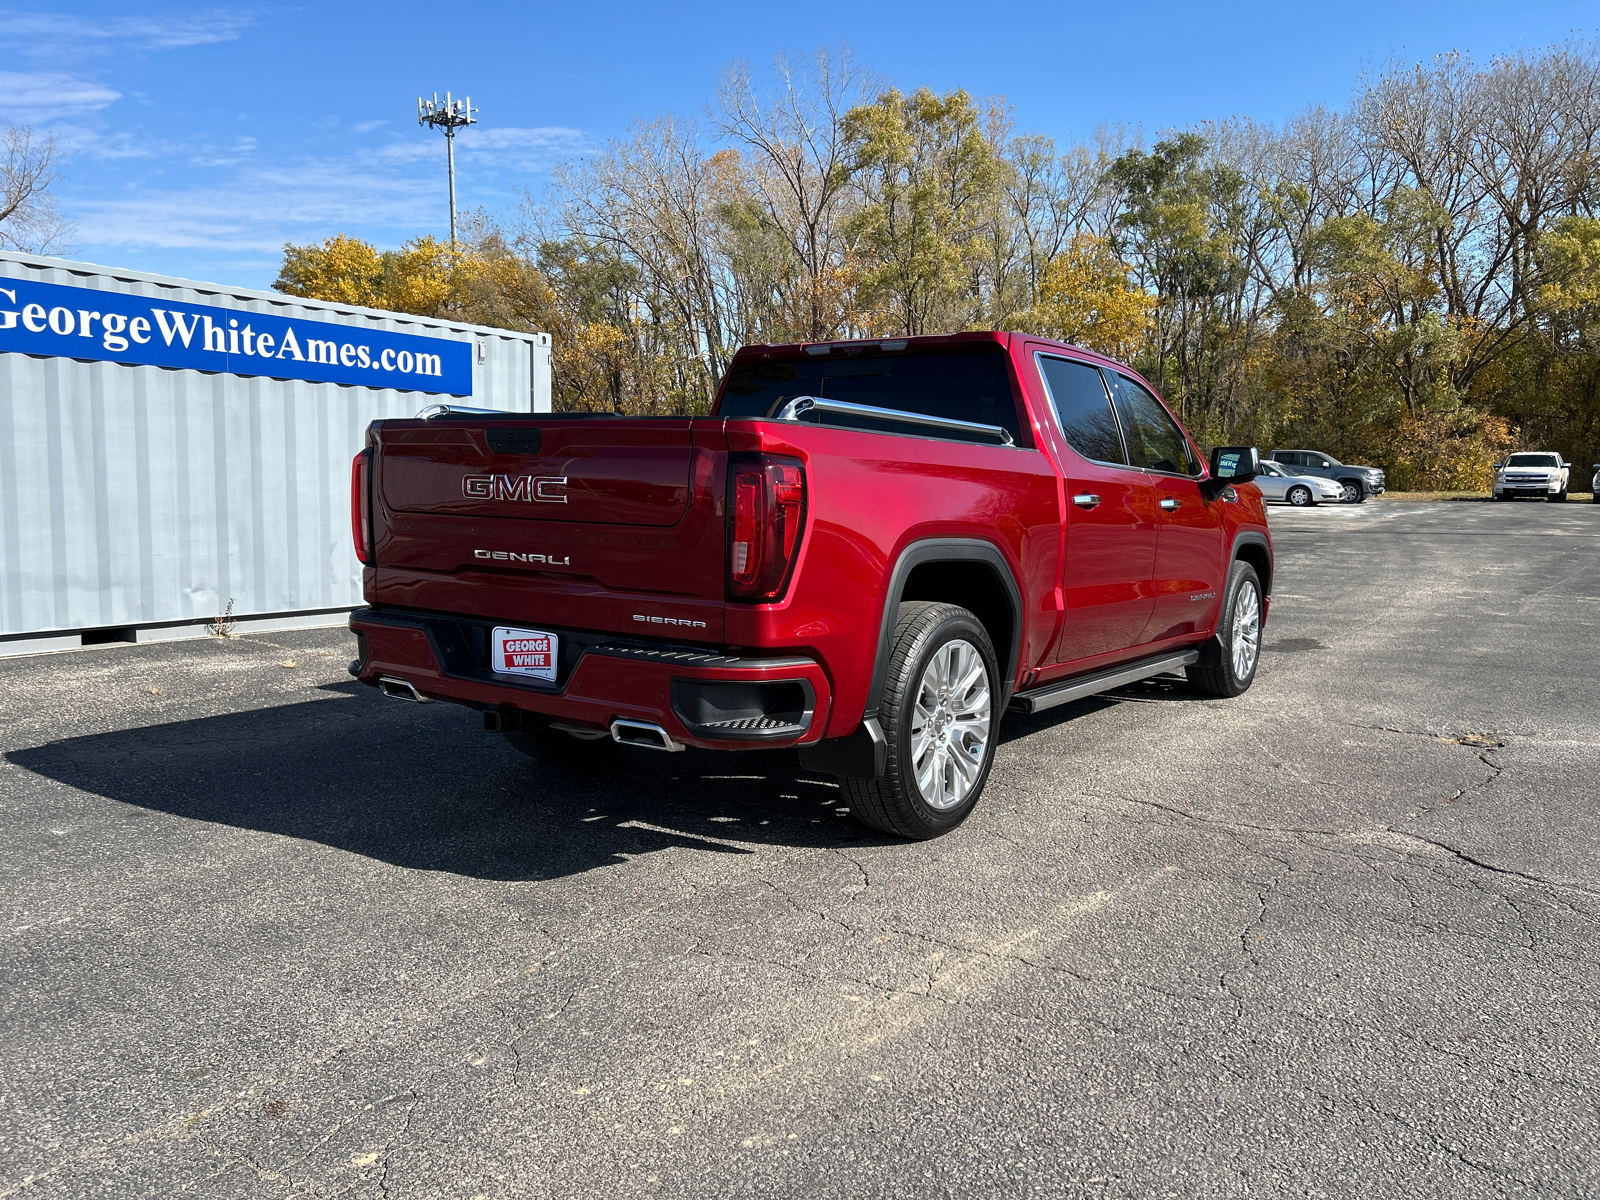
<point x="1235" y="464"/>
<point x="1565" y="465"/>
<point x="1497" y="465"/>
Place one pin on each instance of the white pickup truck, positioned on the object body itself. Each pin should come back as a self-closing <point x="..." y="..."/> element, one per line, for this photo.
<point x="1533" y="473"/>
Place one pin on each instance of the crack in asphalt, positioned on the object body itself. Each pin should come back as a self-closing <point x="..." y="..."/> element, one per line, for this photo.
<point x="1471" y="860"/>
<point x="388" y="1147"/>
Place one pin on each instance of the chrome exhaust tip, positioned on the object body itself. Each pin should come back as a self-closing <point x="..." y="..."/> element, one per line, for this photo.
<point x="401" y="689"/>
<point x="641" y="733"/>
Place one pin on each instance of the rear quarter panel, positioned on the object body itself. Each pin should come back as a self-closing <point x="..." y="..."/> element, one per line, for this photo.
<point x="869" y="497"/>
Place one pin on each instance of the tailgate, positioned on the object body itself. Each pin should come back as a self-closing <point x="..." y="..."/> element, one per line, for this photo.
<point x="607" y="524"/>
<point x="607" y="472"/>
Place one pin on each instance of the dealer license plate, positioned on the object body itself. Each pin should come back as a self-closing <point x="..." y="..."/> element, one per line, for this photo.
<point x="526" y="652"/>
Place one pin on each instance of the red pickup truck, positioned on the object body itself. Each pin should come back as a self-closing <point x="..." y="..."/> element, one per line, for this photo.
<point x="869" y="550"/>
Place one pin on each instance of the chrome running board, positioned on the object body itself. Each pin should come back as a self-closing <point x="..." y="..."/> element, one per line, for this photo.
<point x="1065" y="691"/>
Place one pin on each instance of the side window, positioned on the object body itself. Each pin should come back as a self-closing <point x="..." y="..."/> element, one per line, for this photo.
<point x="1151" y="430"/>
<point x="1083" y="409"/>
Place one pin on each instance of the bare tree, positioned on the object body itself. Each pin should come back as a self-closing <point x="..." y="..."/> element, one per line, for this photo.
<point x="797" y="175"/>
<point x="29" y="166"/>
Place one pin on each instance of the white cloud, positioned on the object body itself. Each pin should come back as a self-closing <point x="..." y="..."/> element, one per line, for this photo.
<point x="386" y="193"/>
<point x="511" y="149"/>
<point x="241" y="149"/>
<point x="260" y="208"/>
<point x="367" y="126"/>
<point x="126" y="144"/>
<point x="52" y="92"/>
<point x="61" y="35"/>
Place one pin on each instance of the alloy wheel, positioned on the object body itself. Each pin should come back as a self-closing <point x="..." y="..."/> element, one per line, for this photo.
<point x="1352" y="493"/>
<point x="950" y="724"/>
<point x="1246" y="631"/>
<point x="1299" y="497"/>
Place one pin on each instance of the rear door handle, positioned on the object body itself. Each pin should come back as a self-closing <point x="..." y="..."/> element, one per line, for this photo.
<point x="1086" y="500"/>
<point x="1169" y="504"/>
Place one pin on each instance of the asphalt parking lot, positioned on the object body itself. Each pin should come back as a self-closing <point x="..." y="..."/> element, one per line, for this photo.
<point x="267" y="934"/>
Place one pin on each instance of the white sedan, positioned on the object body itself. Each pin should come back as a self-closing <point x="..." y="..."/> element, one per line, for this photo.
<point x="1278" y="486"/>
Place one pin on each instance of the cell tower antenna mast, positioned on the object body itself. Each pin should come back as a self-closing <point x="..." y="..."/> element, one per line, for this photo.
<point x="449" y="116"/>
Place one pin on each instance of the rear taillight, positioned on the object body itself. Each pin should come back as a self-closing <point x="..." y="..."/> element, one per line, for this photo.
<point x="361" y="507"/>
<point x="766" y="511"/>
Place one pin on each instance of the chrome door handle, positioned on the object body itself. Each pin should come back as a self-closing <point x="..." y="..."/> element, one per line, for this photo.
<point x="1086" y="500"/>
<point x="1169" y="504"/>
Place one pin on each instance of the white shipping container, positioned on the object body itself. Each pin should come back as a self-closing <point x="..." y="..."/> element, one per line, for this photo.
<point x="137" y="500"/>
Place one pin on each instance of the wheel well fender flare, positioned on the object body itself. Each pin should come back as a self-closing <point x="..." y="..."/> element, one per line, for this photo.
<point x="1260" y="548"/>
<point x="936" y="550"/>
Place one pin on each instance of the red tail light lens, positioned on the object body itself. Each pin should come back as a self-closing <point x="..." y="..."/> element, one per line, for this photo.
<point x="361" y="507"/>
<point x="766" y="512"/>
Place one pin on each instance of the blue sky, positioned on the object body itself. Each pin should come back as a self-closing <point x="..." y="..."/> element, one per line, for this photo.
<point x="203" y="138"/>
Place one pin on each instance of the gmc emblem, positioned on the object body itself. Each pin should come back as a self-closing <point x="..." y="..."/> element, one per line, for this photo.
<point x="549" y="489"/>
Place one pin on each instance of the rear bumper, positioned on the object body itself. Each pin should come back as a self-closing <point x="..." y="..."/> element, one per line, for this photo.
<point x="603" y="679"/>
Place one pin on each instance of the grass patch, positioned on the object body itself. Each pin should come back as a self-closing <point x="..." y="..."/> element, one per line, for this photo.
<point x="1572" y="497"/>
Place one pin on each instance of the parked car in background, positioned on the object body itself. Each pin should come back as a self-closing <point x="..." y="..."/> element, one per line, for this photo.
<point x="1357" y="482"/>
<point x="1533" y="473"/>
<point x="1594" y="486"/>
<point x="1280" y="485"/>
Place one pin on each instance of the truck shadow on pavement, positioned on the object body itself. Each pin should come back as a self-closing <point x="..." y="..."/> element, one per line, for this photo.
<point x="421" y="787"/>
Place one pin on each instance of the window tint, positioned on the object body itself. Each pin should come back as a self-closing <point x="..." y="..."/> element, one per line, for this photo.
<point x="1083" y="409"/>
<point x="964" y="386"/>
<point x="1533" y="460"/>
<point x="1151" y="432"/>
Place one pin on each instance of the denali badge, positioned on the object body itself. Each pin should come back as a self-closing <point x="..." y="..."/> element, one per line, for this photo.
<point x="1202" y="596"/>
<point x="551" y="489"/>
<point x="669" y="621"/>
<point x="513" y="556"/>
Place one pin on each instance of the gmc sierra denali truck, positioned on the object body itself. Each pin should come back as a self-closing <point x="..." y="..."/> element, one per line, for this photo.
<point x="870" y="550"/>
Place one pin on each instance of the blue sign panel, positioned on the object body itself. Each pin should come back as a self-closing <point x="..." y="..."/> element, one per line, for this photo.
<point x="73" y="322"/>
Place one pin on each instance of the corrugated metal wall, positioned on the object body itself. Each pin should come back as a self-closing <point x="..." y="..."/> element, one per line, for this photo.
<point x="137" y="495"/>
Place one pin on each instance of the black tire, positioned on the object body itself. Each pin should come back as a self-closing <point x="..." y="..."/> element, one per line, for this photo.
<point x="1354" y="493"/>
<point x="895" y="803"/>
<point x="1559" y="497"/>
<point x="1217" y="674"/>
<point x="1300" y="496"/>
<point x="1595" y="499"/>
<point x="563" y="749"/>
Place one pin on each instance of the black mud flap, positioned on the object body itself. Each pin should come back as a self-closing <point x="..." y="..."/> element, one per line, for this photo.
<point x="862" y="755"/>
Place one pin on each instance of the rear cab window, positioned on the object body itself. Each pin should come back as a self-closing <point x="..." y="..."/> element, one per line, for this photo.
<point x="970" y="382"/>
<point x="1083" y="409"/>
<point x="1155" y="441"/>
